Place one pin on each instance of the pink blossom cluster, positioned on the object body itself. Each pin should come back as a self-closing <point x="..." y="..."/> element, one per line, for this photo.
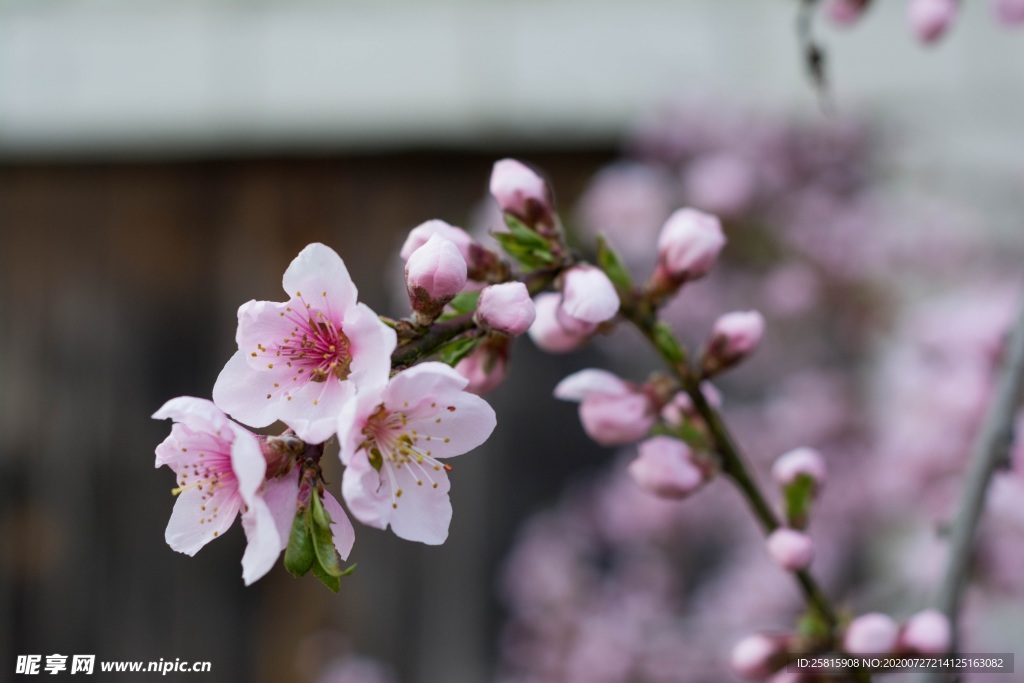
<point x="929" y="20"/>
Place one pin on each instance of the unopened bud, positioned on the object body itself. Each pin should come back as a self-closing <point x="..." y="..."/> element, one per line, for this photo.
<point x="506" y="308"/>
<point x="869" y="634"/>
<point x="800" y="462"/>
<point x="688" y="248"/>
<point x="434" y="274"/>
<point x="791" y="549"/>
<point x="613" y="412"/>
<point x="520" y="191"/>
<point x="665" y="467"/>
<point x="930" y="19"/>
<point x="927" y="632"/>
<point x="845" y="12"/>
<point x="758" y="656"/>
<point x="588" y="295"/>
<point x="486" y="366"/>
<point x="733" y="337"/>
<point x="548" y="331"/>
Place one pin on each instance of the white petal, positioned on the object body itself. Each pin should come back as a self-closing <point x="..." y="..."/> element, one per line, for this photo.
<point x="247" y="462"/>
<point x="264" y="542"/>
<point x="322" y="279"/>
<point x="578" y="385"/>
<point x="341" y="525"/>
<point x="186" y="533"/>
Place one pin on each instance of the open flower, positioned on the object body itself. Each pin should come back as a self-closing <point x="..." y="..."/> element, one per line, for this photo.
<point x="613" y="411"/>
<point x="220" y="470"/>
<point x="300" y="361"/>
<point x="393" y="441"/>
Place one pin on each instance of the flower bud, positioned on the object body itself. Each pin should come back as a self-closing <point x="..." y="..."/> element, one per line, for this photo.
<point x="506" y="308"/>
<point x="845" y="12"/>
<point x="733" y="337"/>
<point x="434" y="274"/>
<point x="680" y="408"/>
<point x="521" y="192"/>
<point x="791" y="549"/>
<point x="665" y="467"/>
<point x="419" y="236"/>
<point x="485" y="367"/>
<point x="758" y="656"/>
<point x="588" y="295"/>
<point x="871" y="634"/>
<point x="547" y="330"/>
<point x="1008" y="12"/>
<point x="688" y="247"/>
<point x="930" y="19"/>
<point x="613" y="412"/>
<point x="927" y="632"/>
<point x="800" y="462"/>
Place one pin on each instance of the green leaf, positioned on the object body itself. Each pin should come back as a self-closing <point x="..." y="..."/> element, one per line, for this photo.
<point x="465" y="302"/>
<point x="376" y="459"/>
<point x="799" y="496"/>
<point x="524" y="245"/>
<point x="667" y="345"/>
<point x="299" y="556"/>
<point x="457" y="349"/>
<point x="812" y="625"/>
<point x="350" y="569"/>
<point x="615" y="269"/>
<point x="332" y="582"/>
<point x="323" y="537"/>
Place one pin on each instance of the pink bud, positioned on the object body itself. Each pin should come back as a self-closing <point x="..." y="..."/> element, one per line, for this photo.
<point x="681" y="405"/>
<point x="588" y="295"/>
<point x="800" y="462"/>
<point x="1008" y="12"/>
<point x="434" y="274"/>
<point x="548" y="332"/>
<point x="927" y="632"/>
<point x="689" y="244"/>
<point x="419" y="235"/>
<point x="930" y="19"/>
<point x="871" y="634"/>
<point x="845" y="12"/>
<point x="613" y="412"/>
<point x="757" y="656"/>
<point x="506" y="308"/>
<point x="520" y="191"/>
<point x="485" y="367"/>
<point x="791" y="549"/>
<point x="665" y="467"/>
<point x="733" y="337"/>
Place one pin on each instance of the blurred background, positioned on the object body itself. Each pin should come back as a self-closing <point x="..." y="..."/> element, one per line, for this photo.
<point x="161" y="163"/>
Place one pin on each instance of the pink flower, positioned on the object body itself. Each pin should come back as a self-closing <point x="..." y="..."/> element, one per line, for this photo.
<point x="665" y="467"/>
<point x="549" y="330"/>
<point x="791" y="549"/>
<point x="588" y="295"/>
<point x="930" y="19"/>
<point x="301" y="360"/>
<point x="800" y="462"/>
<point x="927" y="632"/>
<point x="419" y="235"/>
<point x="485" y="368"/>
<point x="221" y="469"/>
<point x="613" y="412"/>
<point x="393" y="440"/>
<point x="871" y="634"/>
<point x="520" y="191"/>
<point x="688" y="245"/>
<point x="757" y="656"/>
<point x="845" y="12"/>
<point x="1008" y="12"/>
<point x="733" y="337"/>
<point x="506" y="308"/>
<point x="435" y="273"/>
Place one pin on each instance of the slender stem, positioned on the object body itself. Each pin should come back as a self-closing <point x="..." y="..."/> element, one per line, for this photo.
<point x="991" y="451"/>
<point x="437" y="335"/>
<point x="733" y="463"/>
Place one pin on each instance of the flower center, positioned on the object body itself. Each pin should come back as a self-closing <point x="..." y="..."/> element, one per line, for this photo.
<point x="210" y="472"/>
<point x="391" y="445"/>
<point x="315" y="345"/>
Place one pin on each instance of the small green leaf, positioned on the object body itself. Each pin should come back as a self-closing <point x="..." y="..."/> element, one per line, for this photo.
<point x="323" y="537"/>
<point x="524" y="245"/>
<point x="613" y="267"/>
<point x="332" y="582"/>
<point x="376" y="459"/>
<point x="812" y="625"/>
<point x="350" y="569"/>
<point x="465" y="302"/>
<point x="457" y="349"/>
<point x="799" y="495"/>
<point x="299" y="555"/>
<point x="667" y="345"/>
